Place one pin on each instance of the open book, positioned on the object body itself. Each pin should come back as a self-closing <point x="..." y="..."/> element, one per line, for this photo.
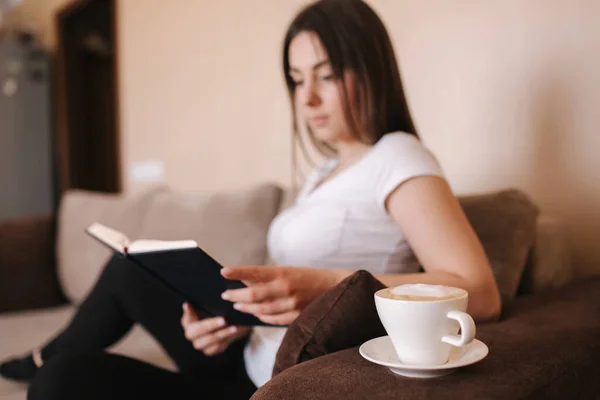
<point x="181" y="266"/>
<point x="118" y="241"/>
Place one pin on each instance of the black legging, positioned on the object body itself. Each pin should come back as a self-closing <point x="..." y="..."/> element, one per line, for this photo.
<point x="76" y="366"/>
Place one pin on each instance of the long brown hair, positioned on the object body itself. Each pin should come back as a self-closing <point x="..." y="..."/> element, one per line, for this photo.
<point x="355" y="39"/>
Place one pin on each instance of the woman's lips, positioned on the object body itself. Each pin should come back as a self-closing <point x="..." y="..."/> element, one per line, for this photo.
<point x="319" y="121"/>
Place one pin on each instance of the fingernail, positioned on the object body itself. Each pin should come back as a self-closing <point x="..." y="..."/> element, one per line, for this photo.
<point x="225" y="271"/>
<point x="233" y="329"/>
<point x="222" y="322"/>
<point x="238" y="306"/>
<point x="225" y="296"/>
<point x="184" y="306"/>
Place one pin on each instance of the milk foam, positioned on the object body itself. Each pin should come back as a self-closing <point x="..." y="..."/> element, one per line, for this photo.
<point x="422" y="289"/>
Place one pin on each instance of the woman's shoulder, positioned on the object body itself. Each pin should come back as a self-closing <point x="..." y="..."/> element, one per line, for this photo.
<point x="398" y="141"/>
<point x="398" y="157"/>
<point x="402" y="148"/>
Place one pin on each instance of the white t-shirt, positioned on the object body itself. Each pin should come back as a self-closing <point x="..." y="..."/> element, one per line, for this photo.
<point x="343" y="224"/>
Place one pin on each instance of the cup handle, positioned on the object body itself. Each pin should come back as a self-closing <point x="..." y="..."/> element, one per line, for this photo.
<point x="467" y="329"/>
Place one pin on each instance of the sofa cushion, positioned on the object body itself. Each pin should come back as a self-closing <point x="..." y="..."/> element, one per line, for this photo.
<point x="230" y="226"/>
<point x="547" y="348"/>
<point x="550" y="264"/>
<point x="80" y="258"/>
<point x="505" y="222"/>
<point x="343" y="317"/>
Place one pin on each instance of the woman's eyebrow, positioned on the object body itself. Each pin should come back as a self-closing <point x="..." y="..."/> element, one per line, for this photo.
<point x="317" y="65"/>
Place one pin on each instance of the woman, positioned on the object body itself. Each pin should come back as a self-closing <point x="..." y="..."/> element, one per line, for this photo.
<point x="380" y="197"/>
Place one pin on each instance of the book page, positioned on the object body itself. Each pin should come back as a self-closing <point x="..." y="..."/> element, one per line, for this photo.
<point x="146" y="246"/>
<point x="110" y="237"/>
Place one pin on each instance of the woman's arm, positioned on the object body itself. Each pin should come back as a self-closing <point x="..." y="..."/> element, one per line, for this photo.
<point x="437" y="230"/>
<point x="444" y="242"/>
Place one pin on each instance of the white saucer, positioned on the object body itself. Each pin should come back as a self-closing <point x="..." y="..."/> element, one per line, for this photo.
<point x="381" y="351"/>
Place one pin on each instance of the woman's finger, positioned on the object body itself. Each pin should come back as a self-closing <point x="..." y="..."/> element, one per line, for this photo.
<point x="259" y="293"/>
<point x="189" y="315"/>
<point x="203" y="327"/>
<point x="215" y="337"/>
<point x="251" y="273"/>
<point x="216" y="349"/>
<point x="279" y="306"/>
<point x="280" y="319"/>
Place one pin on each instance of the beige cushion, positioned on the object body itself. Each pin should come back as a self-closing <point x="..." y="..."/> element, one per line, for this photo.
<point x="230" y="226"/>
<point x="80" y="258"/>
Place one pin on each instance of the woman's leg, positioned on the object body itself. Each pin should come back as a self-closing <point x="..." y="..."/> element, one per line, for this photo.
<point x="110" y="376"/>
<point x="122" y="296"/>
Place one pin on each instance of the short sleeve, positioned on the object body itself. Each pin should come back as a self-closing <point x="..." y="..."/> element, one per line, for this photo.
<point x="400" y="157"/>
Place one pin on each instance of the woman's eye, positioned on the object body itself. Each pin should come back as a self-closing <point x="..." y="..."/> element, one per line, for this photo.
<point x="298" y="83"/>
<point x="328" y="77"/>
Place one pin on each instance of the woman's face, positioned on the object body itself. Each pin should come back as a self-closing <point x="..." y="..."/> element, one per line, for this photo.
<point x="319" y="95"/>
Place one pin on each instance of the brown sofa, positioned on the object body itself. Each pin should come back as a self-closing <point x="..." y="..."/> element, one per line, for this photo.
<point x="544" y="346"/>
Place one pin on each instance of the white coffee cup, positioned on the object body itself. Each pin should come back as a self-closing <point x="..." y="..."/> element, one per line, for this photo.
<point x="422" y="321"/>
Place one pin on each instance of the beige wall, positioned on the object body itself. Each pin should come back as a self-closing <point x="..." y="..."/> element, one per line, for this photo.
<point x="201" y="89"/>
<point x="505" y="92"/>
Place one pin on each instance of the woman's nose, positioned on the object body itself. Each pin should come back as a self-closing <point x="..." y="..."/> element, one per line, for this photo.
<point x="311" y="95"/>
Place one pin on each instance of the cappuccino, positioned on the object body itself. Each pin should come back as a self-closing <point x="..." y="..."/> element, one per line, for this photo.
<point x="421" y="292"/>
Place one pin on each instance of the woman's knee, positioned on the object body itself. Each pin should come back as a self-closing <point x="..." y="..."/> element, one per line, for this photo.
<point x="118" y="265"/>
<point x="66" y="376"/>
<point x="119" y="272"/>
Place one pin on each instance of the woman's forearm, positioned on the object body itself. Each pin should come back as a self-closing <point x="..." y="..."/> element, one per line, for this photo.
<point x="484" y="302"/>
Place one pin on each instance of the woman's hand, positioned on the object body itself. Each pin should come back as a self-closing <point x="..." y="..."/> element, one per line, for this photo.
<point x="209" y="335"/>
<point x="277" y="295"/>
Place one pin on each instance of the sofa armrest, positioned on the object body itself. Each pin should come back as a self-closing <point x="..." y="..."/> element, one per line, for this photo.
<point x="28" y="265"/>
<point x="547" y="348"/>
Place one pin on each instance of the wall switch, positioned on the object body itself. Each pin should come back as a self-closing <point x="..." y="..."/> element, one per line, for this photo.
<point x="147" y="171"/>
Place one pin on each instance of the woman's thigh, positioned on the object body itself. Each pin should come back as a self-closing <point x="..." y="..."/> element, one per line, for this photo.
<point x="112" y="376"/>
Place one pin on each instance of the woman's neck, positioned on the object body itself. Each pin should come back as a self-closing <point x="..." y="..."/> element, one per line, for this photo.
<point x="350" y="152"/>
